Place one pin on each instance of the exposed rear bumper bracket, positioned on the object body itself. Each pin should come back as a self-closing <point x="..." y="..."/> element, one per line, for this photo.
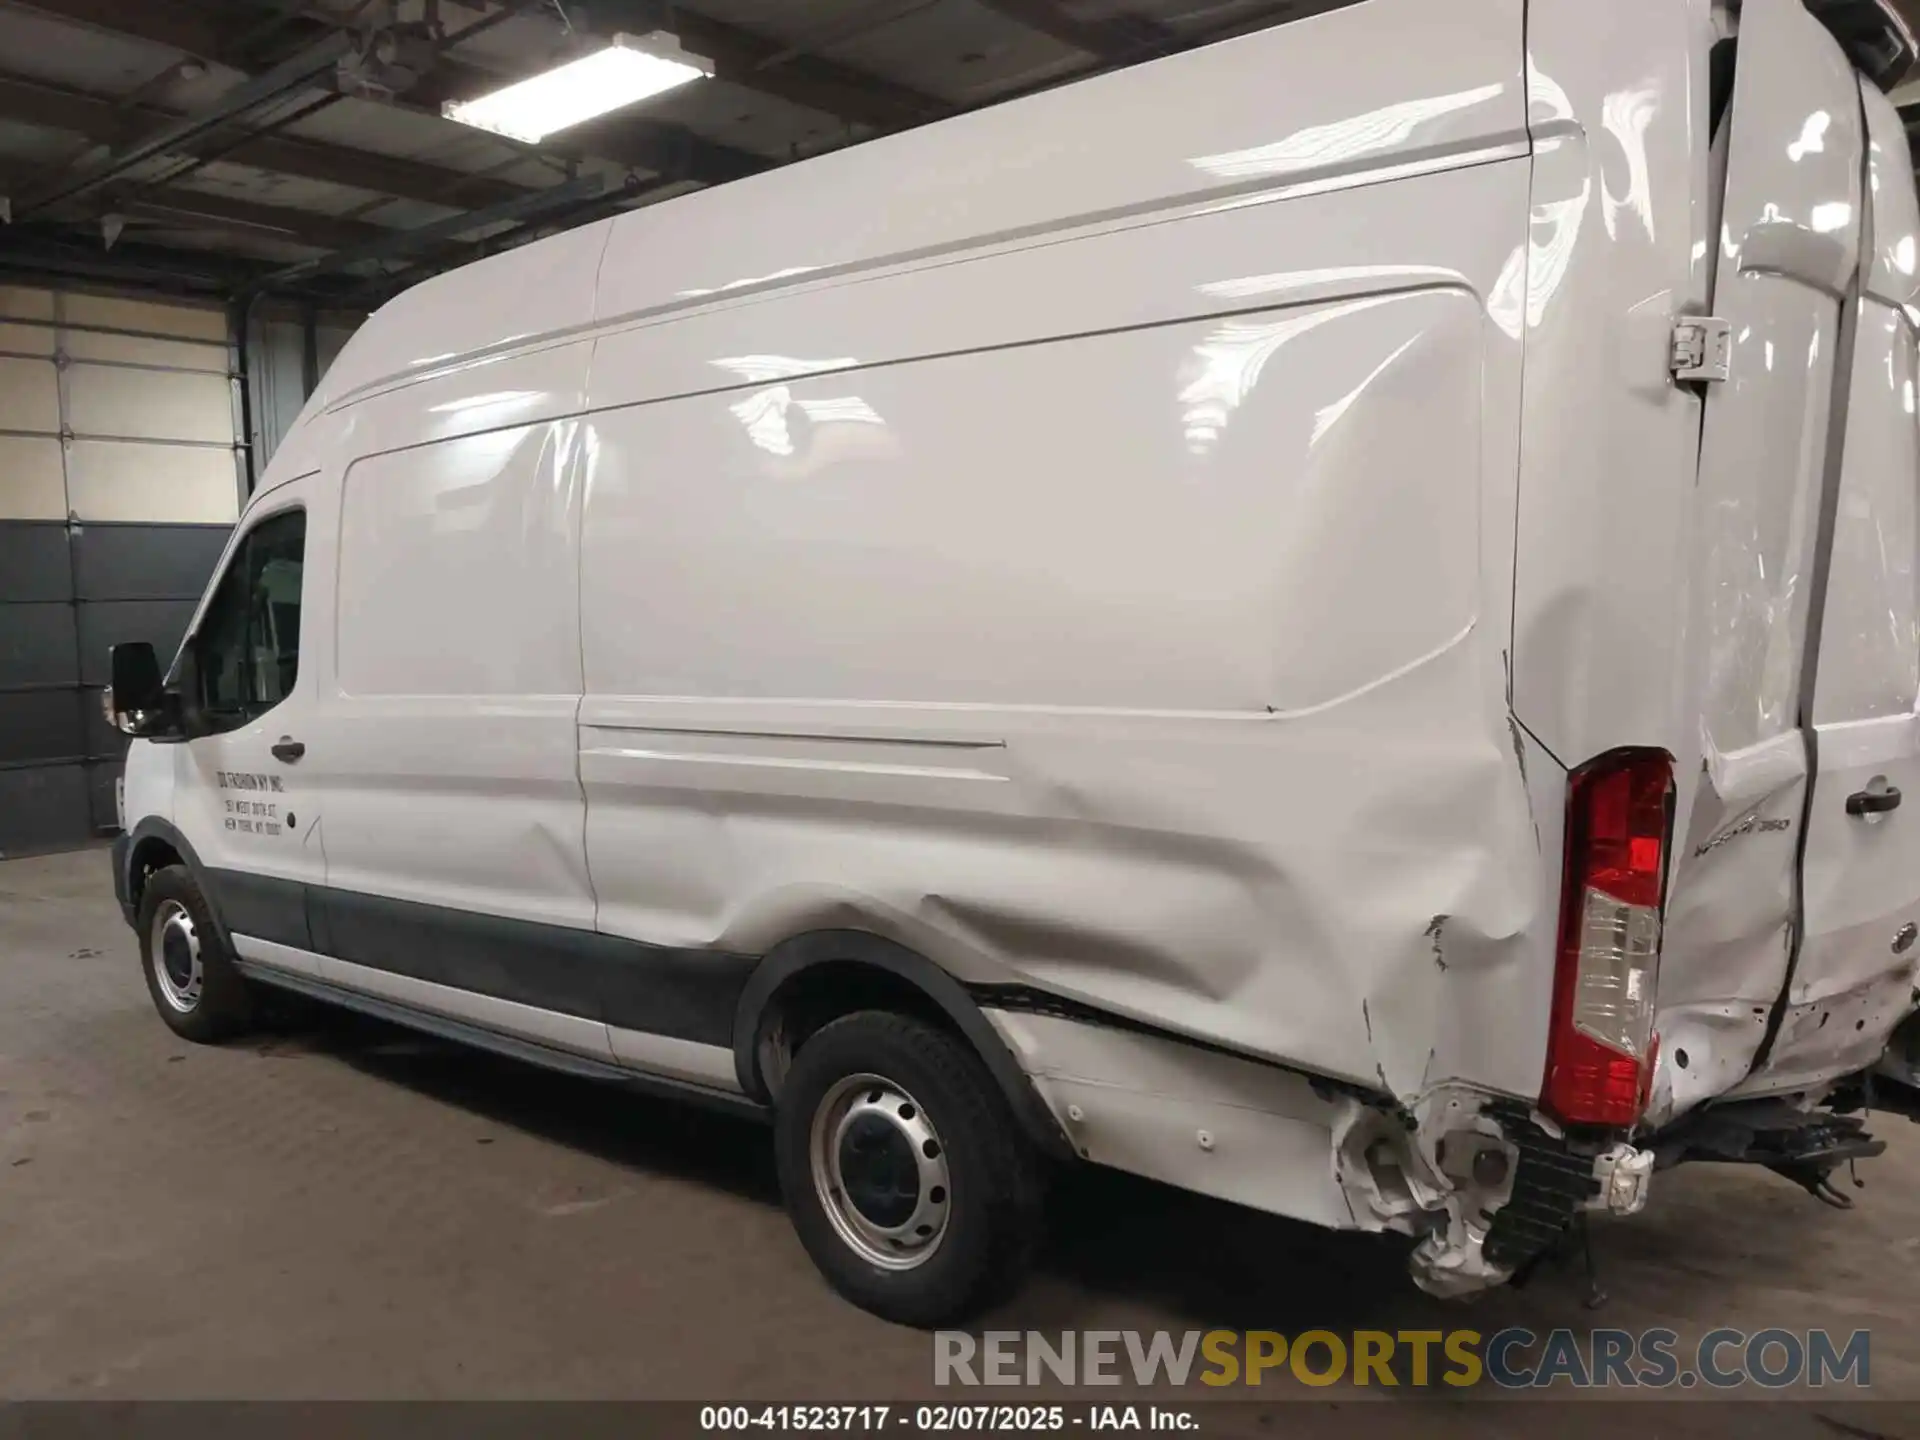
<point x="1554" y="1182"/>
<point x="1804" y="1146"/>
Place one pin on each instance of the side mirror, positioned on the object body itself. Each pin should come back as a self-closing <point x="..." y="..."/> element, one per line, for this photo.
<point x="136" y="701"/>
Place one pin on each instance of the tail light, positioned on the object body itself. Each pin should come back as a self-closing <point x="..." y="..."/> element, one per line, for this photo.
<point x="1600" y="1048"/>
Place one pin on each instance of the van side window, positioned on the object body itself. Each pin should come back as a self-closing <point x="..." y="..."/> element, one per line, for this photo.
<point x="248" y="644"/>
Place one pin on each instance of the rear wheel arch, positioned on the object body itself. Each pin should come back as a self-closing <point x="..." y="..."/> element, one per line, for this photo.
<point x="812" y="980"/>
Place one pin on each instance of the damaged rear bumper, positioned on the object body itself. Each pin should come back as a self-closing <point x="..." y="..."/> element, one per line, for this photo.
<point x="1483" y="1182"/>
<point x="1489" y="1185"/>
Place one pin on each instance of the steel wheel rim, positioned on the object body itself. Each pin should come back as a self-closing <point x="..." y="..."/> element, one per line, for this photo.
<point x="880" y="1172"/>
<point x="173" y="946"/>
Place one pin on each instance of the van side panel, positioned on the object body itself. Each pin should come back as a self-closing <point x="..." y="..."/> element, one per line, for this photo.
<point x="1093" y="523"/>
<point x="1618" y="247"/>
<point x="1106" y="615"/>
<point x="446" y="728"/>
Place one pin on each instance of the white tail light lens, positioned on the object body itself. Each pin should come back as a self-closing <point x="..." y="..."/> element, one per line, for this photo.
<point x="1619" y="956"/>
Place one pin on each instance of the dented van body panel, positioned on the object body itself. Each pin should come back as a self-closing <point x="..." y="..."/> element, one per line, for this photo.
<point x="1056" y="736"/>
<point x="1159" y="551"/>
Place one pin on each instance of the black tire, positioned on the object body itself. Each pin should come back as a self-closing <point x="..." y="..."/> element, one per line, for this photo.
<point x="995" y="1184"/>
<point x="221" y="1006"/>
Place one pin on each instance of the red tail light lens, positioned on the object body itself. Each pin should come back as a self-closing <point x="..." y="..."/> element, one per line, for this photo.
<point x="1600" y="1049"/>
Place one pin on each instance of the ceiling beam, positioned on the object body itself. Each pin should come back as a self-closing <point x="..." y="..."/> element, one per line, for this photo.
<point x="198" y="210"/>
<point x="670" y="152"/>
<point x="1113" y="36"/>
<point x="128" y="263"/>
<point x="293" y="74"/>
<point x="756" y="63"/>
<point x="163" y="22"/>
<point x="108" y="122"/>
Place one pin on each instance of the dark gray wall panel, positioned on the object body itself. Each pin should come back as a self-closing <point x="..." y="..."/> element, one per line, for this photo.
<point x="41" y="725"/>
<point x="44" y="807"/>
<point x="100" y="778"/>
<point x="33" y="561"/>
<point x="106" y="623"/>
<point x="145" y="562"/>
<point x="70" y="590"/>
<point x="135" y="582"/>
<point x="37" y="646"/>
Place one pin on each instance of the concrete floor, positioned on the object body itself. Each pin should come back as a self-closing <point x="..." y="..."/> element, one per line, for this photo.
<point x="347" y="1210"/>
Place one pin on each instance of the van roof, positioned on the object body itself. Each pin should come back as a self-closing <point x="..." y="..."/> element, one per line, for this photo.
<point x="1311" y="104"/>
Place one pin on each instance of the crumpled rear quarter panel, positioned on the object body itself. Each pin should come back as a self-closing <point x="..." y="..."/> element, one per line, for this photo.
<point x="1235" y="760"/>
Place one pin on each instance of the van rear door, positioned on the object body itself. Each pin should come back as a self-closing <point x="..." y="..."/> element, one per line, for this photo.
<point x="1797" y="869"/>
<point x="1853" y="976"/>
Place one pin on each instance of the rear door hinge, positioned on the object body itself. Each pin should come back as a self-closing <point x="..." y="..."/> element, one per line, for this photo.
<point x="1702" y="348"/>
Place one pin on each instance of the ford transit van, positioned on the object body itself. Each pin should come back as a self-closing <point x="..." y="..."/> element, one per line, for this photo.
<point x="1330" y="620"/>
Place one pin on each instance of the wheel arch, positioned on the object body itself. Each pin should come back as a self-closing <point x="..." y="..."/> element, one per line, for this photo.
<point x="817" y="977"/>
<point x="153" y="844"/>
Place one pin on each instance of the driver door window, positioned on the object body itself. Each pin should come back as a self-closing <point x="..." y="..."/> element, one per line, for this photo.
<point x="247" y="648"/>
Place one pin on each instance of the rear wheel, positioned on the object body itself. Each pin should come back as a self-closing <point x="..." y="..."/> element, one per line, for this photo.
<point x="907" y="1176"/>
<point x="189" y="973"/>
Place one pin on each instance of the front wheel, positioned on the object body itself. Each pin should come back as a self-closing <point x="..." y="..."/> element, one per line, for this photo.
<point x="190" y="975"/>
<point x="907" y="1176"/>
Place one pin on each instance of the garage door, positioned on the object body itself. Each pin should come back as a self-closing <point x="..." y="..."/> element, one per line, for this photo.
<point x="118" y="485"/>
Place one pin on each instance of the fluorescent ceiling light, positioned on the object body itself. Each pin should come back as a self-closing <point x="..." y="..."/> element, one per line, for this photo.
<point x="630" y="69"/>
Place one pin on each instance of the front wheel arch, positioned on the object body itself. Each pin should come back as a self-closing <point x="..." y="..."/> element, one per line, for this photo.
<point x="153" y="844"/>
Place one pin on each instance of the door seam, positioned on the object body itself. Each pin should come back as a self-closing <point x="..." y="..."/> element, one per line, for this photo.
<point x="1846" y="340"/>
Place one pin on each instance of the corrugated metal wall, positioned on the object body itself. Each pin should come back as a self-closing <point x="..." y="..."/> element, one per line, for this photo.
<point x="121" y="474"/>
<point x="119" y="480"/>
<point x="284" y="363"/>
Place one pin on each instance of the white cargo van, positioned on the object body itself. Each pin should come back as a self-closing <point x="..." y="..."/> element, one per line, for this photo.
<point x="1330" y="620"/>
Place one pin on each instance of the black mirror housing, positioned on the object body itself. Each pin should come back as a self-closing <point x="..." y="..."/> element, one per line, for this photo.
<point x="136" y="701"/>
<point x="136" y="676"/>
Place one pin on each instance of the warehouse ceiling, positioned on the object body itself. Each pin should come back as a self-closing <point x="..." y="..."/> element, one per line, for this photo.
<point x="211" y="145"/>
<point x="204" y="145"/>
